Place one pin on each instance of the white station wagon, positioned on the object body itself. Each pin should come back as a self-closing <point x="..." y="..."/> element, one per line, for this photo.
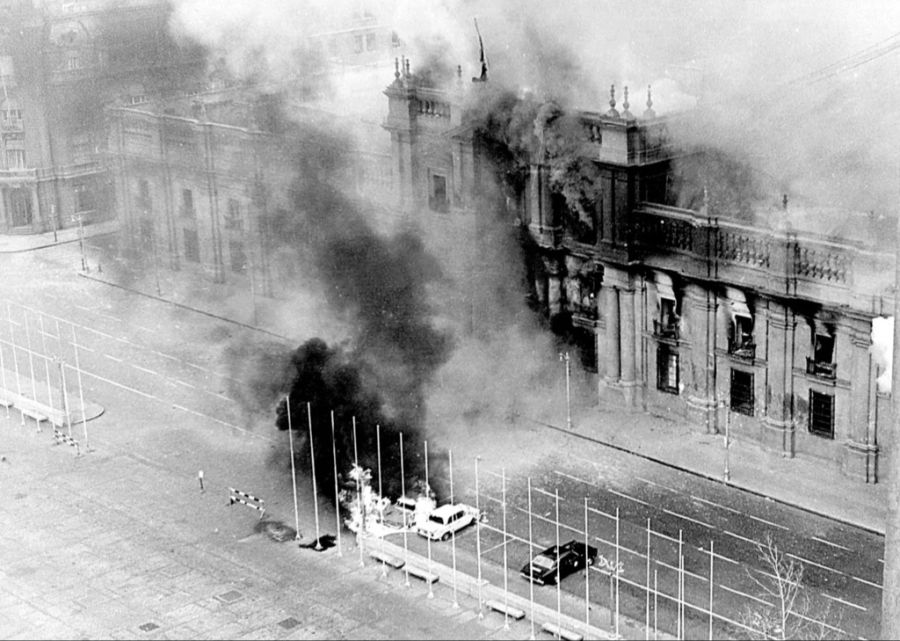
<point x="446" y="520"/>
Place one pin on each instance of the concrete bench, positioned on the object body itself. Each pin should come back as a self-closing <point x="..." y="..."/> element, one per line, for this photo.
<point x="388" y="559"/>
<point x="419" y="573"/>
<point x="562" y="633"/>
<point x="37" y="416"/>
<point x="503" y="608"/>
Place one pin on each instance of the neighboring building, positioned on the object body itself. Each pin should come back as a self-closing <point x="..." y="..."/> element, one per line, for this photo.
<point x="677" y="311"/>
<point x="62" y="62"/>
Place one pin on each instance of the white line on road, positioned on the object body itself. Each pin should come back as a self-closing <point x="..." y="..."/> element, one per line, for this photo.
<point x="144" y="369"/>
<point x="714" y="504"/>
<point x="687" y="518"/>
<point x="125" y="387"/>
<point x="848" y="603"/>
<point x="180" y="382"/>
<point x="649" y="482"/>
<point x="818" y="565"/>
<point x="761" y="520"/>
<point x="742" y="538"/>
<point x="744" y="594"/>
<point x="826" y="542"/>
<point x="874" y="585"/>
<point x="625" y="496"/>
<point x="79" y="346"/>
<point x="113" y="358"/>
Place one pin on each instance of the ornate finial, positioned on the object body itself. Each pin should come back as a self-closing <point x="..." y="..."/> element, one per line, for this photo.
<point x="459" y="72"/>
<point x="612" y="113"/>
<point x="627" y="115"/>
<point x="407" y="67"/>
<point x="784" y="201"/>
<point x="396" y="68"/>
<point x="649" y="113"/>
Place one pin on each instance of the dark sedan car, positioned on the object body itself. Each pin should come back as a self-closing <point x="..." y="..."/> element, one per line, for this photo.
<point x="561" y="562"/>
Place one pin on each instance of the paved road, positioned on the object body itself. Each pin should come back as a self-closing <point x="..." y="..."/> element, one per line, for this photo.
<point x="175" y="401"/>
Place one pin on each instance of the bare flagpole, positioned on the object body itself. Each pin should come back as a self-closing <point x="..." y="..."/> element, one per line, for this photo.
<point x="712" y="556"/>
<point x="428" y="494"/>
<point x="558" y="586"/>
<point x="453" y="539"/>
<point x="587" y="571"/>
<point x="62" y="376"/>
<point x="478" y="542"/>
<point x="530" y="557"/>
<point x="12" y="340"/>
<point x="46" y="364"/>
<point x="647" y="616"/>
<point x="380" y="498"/>
<point x="505" y="559"/>
<point x="337" y="499"/>
<point x="616" y="568"/>
<point x="312" y="458"/>
<point x="30" y="360"/>
<point x="287" y="404"/>
<point x="3" y="374"/>
<point x="80" y="390"/>
<point x="405" y="517"/>
<point x="360" y="526"/>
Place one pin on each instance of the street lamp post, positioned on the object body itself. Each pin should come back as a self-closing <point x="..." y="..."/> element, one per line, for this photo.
<point x="81" y="241"/>
<point x="727" y="473"/>
<point x="564" y="357"/>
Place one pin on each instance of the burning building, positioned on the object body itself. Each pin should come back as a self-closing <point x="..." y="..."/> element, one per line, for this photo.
<point x="684" y="295"/>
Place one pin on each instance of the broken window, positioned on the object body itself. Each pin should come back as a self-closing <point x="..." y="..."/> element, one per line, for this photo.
<point x="742" y="392"/>
<point x="666" y="369"/>
<point x="822" y="362"/>
<point x="821" y="414"/>
<point x="437" y="199"/>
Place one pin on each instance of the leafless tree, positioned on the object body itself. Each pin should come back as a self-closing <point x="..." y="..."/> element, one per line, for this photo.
<point x="792" y="613"/>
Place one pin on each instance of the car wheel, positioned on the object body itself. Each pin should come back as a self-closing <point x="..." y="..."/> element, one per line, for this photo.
<point x="446" y="536"/>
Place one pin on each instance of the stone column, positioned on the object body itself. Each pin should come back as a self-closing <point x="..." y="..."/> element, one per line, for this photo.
<point x="610" y="312"/>
<point x="35" y="208"/>
<point x="698" y="362"/>
<point x="860" y="452"/>
<point x="627" y="343"/>
<point x="778" y="419"/>
<point x="554" y="287"/>
<point x="4" y="211"/>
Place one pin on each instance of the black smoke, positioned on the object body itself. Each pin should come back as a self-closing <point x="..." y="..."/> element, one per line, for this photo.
<point x="378" y="286"/>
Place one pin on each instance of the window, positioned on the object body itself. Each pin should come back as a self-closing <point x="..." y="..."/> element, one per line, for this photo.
<point x="191" y="246"/>
<point x="187" y="203"/>
<point x="821" y="414"/>
<point x="667" y="325"/>
<point x="437" y="200"/>
<point x="138" y="99"/>
<point x="20" y="206"/>
<point x="370" y="42"/>
<point x="742" y="392"/>
<point x="233" y="215"/>
<point x="15" y="158"/>
<point x="821" y="364"/>
<point x="238" y="257"/>
<point x="73" y="62"/>
<point x="84" y="198"/>
<point x="395" y="39"/>
<point x="741" y="343"/>
<point x="12" y="117"/>
<point x="358" y="44"/>
<point x="666" y="369"/>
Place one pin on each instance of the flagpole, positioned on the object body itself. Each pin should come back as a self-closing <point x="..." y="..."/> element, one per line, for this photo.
<point x="46" y="364"/>
<point x="453" y="539"/>
<point x="80" y="390"/>
<point x="361" y="524"/>
<point x="380" y="499"/>
<point x="587" y="571"/>
<point x="406" y="517"/>
<point x="428" y="539"/>
<point x="530" y="557"/>
<point x="558" y="586"/>
<point x="337" y="500"/>
<point x="312" y="458"/>
<point x="287" y="404"/>
<point x="12" y="340"/>
<point x="478" y="542"/>
<point x="3" y="374"/>
<point x="505" y="558"/>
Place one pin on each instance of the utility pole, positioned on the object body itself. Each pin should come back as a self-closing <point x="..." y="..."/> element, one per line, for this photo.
<point x="564" y="357"/>
<point x="890" y="594"/>
<point x="81" y="242"/>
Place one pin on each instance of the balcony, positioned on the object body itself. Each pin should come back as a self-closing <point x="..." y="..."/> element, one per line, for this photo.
<point x="12" y="125"/>
<point x="665" y="330"/>
<point x="745" y="350"/>
<point x="822" y="370"/>
<point x="584" y="315"/>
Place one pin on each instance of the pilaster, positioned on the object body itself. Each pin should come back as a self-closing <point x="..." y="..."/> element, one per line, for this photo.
<point x="778" y="433"/>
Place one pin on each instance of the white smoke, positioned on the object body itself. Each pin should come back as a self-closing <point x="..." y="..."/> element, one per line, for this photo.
<point x="882" y="350"/>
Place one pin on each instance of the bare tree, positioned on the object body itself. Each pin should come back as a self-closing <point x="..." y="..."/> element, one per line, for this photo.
<point x="791" y="612"/>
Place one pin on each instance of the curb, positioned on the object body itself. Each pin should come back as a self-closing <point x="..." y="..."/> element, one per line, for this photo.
<point x="187" y="307"/>
<point x="710" y="477"/>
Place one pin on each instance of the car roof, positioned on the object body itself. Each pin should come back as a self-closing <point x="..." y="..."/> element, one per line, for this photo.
<point x="446" y="510"/>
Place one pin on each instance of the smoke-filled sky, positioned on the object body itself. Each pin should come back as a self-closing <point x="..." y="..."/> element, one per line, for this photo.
<point x="752" y="65"/>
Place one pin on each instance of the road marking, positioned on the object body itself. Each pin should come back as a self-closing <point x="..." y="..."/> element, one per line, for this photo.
<point x="648" y="481"/>
<point x="227" y="398"/>
<point x="625" y="496"/>
<point x="874" y="585"/>
<point x="742" y="538"/>
<point x="818" y="565"/>
<point x="826" y="542"/>
<point x="125" y="387"/>
<point x="180" y="382"/>
<point x="84" y="347"/>
<point x="687" y="518"/>
<point x="714" y="504"/>
<point x="847" y="603"/>
<point x="761" y="520"/>
<point x="113" y="358"/>
<point x="749" y="596"/>
<point x="144" y="369"/>
<point x="82" y="307"/>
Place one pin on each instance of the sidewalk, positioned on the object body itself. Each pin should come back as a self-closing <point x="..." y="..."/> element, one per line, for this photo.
<point x="13" y="243"/>
<point x="806" y="483"/>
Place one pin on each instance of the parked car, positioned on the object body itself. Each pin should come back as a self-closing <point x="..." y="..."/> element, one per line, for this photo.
<point x="444" y="521"/>
<point x="559" y="562"/>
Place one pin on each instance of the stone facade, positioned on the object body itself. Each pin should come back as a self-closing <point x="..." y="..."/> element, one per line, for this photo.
<point x="687" y="312"/>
